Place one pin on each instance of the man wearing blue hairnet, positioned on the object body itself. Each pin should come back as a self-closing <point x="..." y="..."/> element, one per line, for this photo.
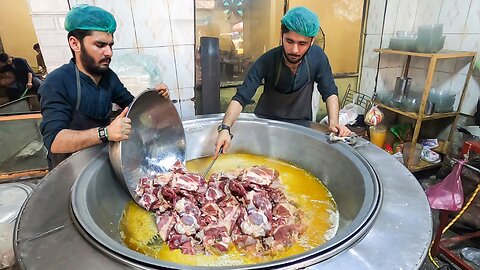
<point x="289" y="72"/>
<point x="76" y="98"/>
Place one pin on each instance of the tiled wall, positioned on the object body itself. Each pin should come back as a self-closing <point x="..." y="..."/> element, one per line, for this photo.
<point x="461" y="26"/>
<point x="162" y="29"/>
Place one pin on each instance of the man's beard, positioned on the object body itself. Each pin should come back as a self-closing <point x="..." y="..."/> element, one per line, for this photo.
<point x="291" y="61"/>
<point x="287" y="56"/>
<point x="89" y="63"/>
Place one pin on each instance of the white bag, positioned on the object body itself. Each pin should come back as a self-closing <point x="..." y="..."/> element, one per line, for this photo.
<point x="346" y="116"/>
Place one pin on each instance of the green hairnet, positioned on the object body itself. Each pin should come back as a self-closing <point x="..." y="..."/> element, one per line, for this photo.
<point x="302" y="21"/>
<point x="85" y="17"/>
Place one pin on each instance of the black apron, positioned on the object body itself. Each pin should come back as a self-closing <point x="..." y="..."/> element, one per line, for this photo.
<point x="80" y="121"/>
<point x="295" y="106"/>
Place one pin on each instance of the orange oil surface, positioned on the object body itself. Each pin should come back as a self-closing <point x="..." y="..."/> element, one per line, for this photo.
<point x="137" y="226"/>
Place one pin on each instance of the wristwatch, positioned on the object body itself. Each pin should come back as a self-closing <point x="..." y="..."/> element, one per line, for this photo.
<point x="223" y="127"/>
<point x="103" y="134"/>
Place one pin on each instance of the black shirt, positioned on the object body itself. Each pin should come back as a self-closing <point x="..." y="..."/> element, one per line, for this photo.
<point x="58" y="98"/>
<point x="266" y="67"/>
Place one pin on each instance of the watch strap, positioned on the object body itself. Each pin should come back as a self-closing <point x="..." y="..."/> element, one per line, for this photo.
<point x="103" y="134"/>
<point x="225" y="127"/>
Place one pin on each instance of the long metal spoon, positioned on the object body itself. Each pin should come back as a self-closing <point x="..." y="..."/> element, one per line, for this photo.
<point x="213" y="162"/>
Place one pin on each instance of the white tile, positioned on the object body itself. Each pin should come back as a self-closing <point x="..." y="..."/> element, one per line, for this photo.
<point x="367" y="80"/>
<point x="453" y="15"/>
<point x="419" y="62"/>
<point x="136" y="71"/>
<point x="79" y="2"/>
<point x="188" y="108"/>
<point x="181" y="9"/>
<point x="387" y="78"/>
<point x="124" y="36"/>
<point x="442" y="80"/>
<point x="392" y="61"/>
<point x="462" y="66"/>
<point x="44" y="22"/>
<point x="391" y="16"/>
<point x="166" y="65"/>
<point x="119" y="53"/>
<point x="48" y="6"/>
<point x="60" y="21"/>
<point x="472" y="96"/>
<point x="183" y="32"/>
<point x="418" y="76"/>
<point x="406" y="15"/>
<point x="178" y="107"/>
<point x="186" y="93"/>
<point x="470" y="42"/>
<point x="473" y="19"/>
<point x="53" y="39"/>
<point x="446" y="65"/>
<point x="152" y="23"/>
<point x="370" y="57"/>
<point x="56" y="56"/>
<point x="458" y="82"/>
<point x="184" y="57"/>
<point x="382" y="81"/>
<point x="375" y="16"/>
<point x="456" y="86"/>
<point x="452" y="41"/>
<point x="428" y="12"/>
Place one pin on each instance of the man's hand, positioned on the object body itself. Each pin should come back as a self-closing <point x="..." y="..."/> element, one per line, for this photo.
<point x="29" y="85"/>
<point x="223" y="139"/>
<point x="120" y="127"/>
<point x="162" y="90"/>
<point x="340" y="130"/>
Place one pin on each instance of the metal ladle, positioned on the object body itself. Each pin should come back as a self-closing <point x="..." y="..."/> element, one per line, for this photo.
<point x="156" y="142"/>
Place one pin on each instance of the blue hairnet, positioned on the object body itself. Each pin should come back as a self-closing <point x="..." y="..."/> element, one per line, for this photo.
<point x="85" y="17"/>
<point x="302" y="21"/>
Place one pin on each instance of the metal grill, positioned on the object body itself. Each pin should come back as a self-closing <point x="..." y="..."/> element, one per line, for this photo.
<point x="360" y="99"/>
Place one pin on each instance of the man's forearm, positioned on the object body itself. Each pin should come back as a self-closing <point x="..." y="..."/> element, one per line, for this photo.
<point x="30" y="77"/>
<point x="70" y="141"/>
<point x="333" y="109"/>
<point x="233" y="111"/>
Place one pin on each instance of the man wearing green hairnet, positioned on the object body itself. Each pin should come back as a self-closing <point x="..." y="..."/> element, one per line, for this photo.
<point x="76" y="98"/>
<point x="289" y="72"/>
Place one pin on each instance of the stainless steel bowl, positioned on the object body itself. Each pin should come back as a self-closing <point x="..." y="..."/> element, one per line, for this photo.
<point x="157" y="140"/>
<point x="97" y="203"/>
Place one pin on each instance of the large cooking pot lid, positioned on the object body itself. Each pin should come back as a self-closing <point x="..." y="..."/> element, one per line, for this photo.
<point x="157" y="140"/>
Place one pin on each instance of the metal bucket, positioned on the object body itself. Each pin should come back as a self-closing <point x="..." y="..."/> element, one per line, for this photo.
<point x="98" y="201"/>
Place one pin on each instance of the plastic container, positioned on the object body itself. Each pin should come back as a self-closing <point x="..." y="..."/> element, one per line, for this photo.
<point x="443" y="100"/>
<point x="410" y="104"/>
<point x="384" y="97"/>
<point x="416" y="154"/>
<point x="377" y="135"/>
<point x="402" y="44"/>
<point x="429" y="38"/>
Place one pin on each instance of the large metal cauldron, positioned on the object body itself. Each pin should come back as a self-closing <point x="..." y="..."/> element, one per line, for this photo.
<point x="98" y="201"/>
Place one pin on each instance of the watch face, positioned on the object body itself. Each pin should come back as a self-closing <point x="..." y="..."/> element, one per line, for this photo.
<point x="102" y="132"/>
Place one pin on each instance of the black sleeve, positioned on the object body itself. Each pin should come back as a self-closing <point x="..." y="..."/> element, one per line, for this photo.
<point x="324" y="76"/>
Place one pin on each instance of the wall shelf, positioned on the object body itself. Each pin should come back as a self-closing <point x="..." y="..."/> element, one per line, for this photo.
<point x="420" y="116"/>
<point x="415" y="115"/>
